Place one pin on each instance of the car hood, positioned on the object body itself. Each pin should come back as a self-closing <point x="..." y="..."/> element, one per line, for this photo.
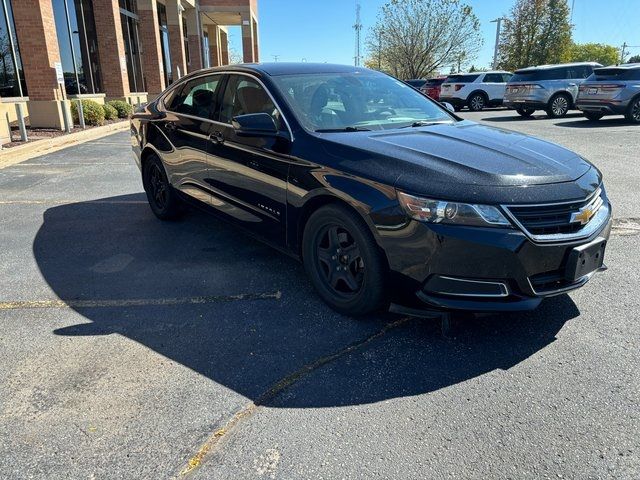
<point x="471" y="154"/>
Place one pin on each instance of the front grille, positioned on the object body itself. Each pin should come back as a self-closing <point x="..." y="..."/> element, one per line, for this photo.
<point x="553" y="219"/>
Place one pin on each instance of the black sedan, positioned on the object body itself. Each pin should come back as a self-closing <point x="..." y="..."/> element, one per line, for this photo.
<point x="385" y="196"/>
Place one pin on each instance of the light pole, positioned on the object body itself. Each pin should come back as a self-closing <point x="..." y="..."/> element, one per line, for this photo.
<point x="498" y="21"/>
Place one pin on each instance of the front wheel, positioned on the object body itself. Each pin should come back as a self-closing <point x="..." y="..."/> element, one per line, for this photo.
<point x="559" y="106"/>
<point x="633" y="112"/>
<point x="343" y="261"/>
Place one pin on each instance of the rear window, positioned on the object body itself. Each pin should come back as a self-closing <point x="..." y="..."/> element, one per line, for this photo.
<point x="434" y="82"/>
<point x="416" y="83"/>
<point x="538" y="75"/>
<point x="616" y="74"/>
<point x="461" y="78"/>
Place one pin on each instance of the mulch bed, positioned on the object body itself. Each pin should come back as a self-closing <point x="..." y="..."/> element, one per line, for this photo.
<point x="35" y="134"/>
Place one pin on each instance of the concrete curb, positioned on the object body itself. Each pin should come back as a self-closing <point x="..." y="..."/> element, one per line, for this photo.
<point x="15" y="155"/>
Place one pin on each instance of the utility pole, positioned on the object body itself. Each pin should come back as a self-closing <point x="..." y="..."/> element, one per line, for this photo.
<point x="358" y="28"/>
<point x="275" y="58"/>
<point x="498" y="21"/>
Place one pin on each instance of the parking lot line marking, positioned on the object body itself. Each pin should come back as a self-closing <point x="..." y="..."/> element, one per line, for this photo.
<point x="285" y="382"/>
<point x="67" y="201"/>
<point x="136" y="302"/>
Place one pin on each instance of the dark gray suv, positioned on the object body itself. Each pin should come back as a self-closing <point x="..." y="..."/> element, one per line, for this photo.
<point x="611" y="90"/>
<point x="552" y="88"/>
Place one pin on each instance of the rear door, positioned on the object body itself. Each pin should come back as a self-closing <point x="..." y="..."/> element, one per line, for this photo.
<point x="248" y="176"/>
<point x="494" y="85"/>
<point x="187" y="126"/>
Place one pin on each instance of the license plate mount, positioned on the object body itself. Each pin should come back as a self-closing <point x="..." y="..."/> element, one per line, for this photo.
<point x="592" y="91"/>
<point x="585" y="259"/>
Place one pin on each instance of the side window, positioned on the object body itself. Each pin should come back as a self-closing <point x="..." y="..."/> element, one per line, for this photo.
<point x="585" y="71"/>
<point x="492" y="78"/>
<point x="197" y="97"/>
<point x="244" y="95"/>
<point x="506" y="77"/>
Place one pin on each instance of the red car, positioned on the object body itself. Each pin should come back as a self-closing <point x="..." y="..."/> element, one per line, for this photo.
<point x="432" y="87"/>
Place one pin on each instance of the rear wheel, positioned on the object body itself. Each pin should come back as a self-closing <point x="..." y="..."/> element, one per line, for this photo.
<point x="633" y="112"/>
<point x="525" y="112"/>
<point x="558" y="106"/>
<point x="593" y="116"/>
<point x="477" y="102"/>
<point x="162" y="198"/>
<point x="343" y="261"/>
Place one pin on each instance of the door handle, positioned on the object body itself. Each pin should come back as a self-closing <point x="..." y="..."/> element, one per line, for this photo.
<point x="216" y="137"/>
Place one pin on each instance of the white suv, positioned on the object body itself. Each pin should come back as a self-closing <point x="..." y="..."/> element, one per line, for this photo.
<point x="475" y="90"/>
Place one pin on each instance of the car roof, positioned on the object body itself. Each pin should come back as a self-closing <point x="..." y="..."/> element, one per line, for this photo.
<point x="477" y="73"/>
<point x="286" y="68"/>
<point x="624" y="66"/>
<point x="556" y="65"/>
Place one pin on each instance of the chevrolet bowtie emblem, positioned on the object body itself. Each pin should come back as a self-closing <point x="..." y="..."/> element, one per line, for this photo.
<point x="583" y="215"/>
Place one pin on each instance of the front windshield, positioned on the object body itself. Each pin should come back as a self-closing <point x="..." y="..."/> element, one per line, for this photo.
<point x="356" y="101"/>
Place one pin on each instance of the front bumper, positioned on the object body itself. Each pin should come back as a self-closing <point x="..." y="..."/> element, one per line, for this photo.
<point x="513" y="273"/>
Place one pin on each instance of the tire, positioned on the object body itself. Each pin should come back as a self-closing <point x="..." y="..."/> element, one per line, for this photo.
<point x="593" y="116"/>
<point x="633" y="111"/>
<point x="343" y="262"/>
<point x="477" y="102"/>
<point x="161" y="196"/>
<point x="525" y="112"/>
<point x="559" y="105"/>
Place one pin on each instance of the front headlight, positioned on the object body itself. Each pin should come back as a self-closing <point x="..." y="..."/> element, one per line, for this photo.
<point x="441" y="211"/>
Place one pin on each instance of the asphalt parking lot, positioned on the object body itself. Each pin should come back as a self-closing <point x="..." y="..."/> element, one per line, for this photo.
<point x="132" y="348"/>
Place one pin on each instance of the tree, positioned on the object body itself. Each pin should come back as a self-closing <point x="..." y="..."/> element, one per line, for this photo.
<point x="593" y="52"/>
<point x="634" y="59"/>
<point x="414" y="38"/>
<point x="536" y="32"/>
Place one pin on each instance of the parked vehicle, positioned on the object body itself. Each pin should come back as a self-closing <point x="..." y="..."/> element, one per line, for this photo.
<point x="432" y="87"/>
<point x="416" y="83"/>
<point x="552" y="88"/>
<point x="474" y="90"/>
<point x="384" y="195"/>
<point x="611" y="90"/>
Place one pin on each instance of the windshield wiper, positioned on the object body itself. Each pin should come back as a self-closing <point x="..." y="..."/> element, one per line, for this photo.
<point x="345" y="129"/>
<point x="425" y="123"/>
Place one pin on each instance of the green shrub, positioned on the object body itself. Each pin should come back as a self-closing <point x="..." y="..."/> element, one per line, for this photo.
<point x="123" y="108"/>
<point x="93" y="112"/>
<point x="109" y="112"/>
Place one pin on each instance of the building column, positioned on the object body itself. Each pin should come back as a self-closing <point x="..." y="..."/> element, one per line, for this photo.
<point x="224" y="47"/>
<point x="193" y="36"/>
<point x="176" y="38"/>
<point x="36" y="31"/>
<point x="113" y="60"/>
<point x="256" y="54"/>
<point x="214" y="45"/>
<point x="248" y="40"/>
<point x="152" y="67"/>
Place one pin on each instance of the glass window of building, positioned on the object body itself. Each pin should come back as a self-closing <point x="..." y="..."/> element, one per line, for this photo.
<point x="12" y="82"/>
<point x="164" y="39"/>
<point x="130" y="32"/>
<point x="76" y="31"/>
<point x="185" y="40"/>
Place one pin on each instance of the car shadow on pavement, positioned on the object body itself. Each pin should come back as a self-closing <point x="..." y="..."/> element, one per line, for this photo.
<point x="512" y="116"/>
<point x="126" y="273"/>
<point x="605" y="122"/>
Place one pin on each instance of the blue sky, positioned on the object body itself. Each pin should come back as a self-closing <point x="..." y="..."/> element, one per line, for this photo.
<point x="321" y="30"/>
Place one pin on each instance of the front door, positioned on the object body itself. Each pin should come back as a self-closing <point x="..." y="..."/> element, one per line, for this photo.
<point x="249" y="175"/>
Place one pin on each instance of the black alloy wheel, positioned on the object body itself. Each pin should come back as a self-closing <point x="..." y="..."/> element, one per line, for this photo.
<point x="477" y="102"/>
<point x="633" y="112"/>
<point x="162" y="198"/>
<point x="559" y="106"/>
<point x="525" y="112"/>
<point x="342" y="261"/>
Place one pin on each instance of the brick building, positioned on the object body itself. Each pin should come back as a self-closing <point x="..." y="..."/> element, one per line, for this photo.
<point x="52" y="51"/>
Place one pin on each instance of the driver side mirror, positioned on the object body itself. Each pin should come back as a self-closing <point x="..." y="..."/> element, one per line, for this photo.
<point x="255" y="125"/>
<point x="449" y="107"/>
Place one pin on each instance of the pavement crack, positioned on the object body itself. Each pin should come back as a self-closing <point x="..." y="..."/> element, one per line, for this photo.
<point x="214" y="440"/>
<point x="626" y="226"/>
